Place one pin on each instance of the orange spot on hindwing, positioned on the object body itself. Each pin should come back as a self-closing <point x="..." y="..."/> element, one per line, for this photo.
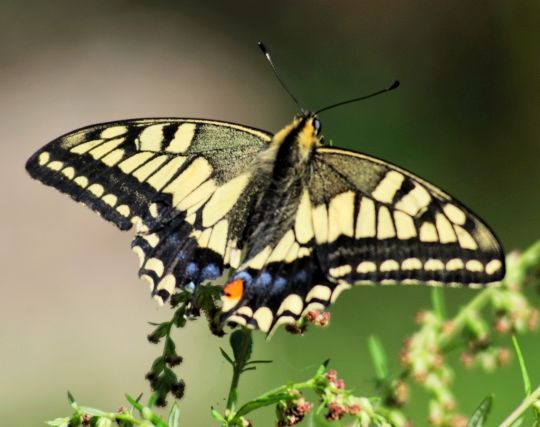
<point x="234" y="290"/>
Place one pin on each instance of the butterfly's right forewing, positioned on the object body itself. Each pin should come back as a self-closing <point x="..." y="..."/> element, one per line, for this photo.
<point x="177" y="180"/>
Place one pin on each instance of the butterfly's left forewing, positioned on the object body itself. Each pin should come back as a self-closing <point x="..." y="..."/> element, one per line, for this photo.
<point x="177" y="180"/>
<point x="376" y="223"/>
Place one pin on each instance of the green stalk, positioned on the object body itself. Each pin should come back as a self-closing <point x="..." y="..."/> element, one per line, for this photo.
<point x="527" y="402"/>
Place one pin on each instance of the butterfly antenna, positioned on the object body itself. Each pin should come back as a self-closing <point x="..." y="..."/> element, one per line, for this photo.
<point x="269" y="59"/>
<point x="393" y="86"/>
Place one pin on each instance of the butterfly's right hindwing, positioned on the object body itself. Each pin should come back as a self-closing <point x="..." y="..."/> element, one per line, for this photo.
<point x="177" y="180"/>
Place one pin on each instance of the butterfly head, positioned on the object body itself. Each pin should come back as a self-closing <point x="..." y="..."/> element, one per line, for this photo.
<point x="303" y="134"/>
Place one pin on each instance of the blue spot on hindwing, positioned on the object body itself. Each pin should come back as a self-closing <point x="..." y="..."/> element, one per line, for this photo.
<point x="211" y="271"/>
<point x="192" y="270"/>
<point x="279" y="284"/>
<point x="264" y="279"/>
<point x="244" y="275"/>
<point x="301" y="276"/>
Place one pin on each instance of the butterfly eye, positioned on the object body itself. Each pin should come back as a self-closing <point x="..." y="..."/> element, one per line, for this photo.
<point x="317" y="126"/>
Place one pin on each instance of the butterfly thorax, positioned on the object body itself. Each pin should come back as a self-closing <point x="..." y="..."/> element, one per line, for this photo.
<point x="283" y="170"/>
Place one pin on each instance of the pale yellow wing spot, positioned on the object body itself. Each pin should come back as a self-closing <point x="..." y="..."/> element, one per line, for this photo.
<point x="55" y="165"/>
<point x="303" y="226"/>
<point x="182" y="138"/>
<point x="151" y="138"/>
<point x="131" y="163"/>
<point x="223" y="199"/>
<point x="388" y="187"/>
<point x="105" y="148"/>
<point x="194" y="175"/>
<point x="68" y="172"/>
<point x="320" y="223"/>
<point x="389" y="265"/>
<point x="365" y="223"/>
<point x="385" y="225"/>
<point x="465" y="239"/>
<point x="113" y="157"/>
<point x="428" y="232"/>
<point x="454" y="214"/>
<point x="165" y="173"/>
<point x="143" y="172"/>
<point x="85" y="146"/>
<point x="405" y="227"/>
<point x="341" y="216"/>
<point x="415" y="201"/>
<point x="113" y="132"/>
<point x="444" y="229"/>
<point x="292" y="303"/>
<point x="433" y="265"/>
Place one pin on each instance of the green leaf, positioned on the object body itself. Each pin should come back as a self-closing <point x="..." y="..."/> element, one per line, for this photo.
<point x="321" y="369"/>
<point x="93" y="412"/>
<point x="226" y="356"/>
<point x="479" y="416"/>
<point x="174" y="416"/>
<point x="217" y="416"/>
<point x="263" y="401"/>
<point x="437" y="299"/>
<point x="134" y="402"/>
<point x="239" y="339"/>
<point x="71" y="399"/>
<point x="158" y="365"/>
<point x="169" y="348"/>
<point x="255" y="362"/>
<point x="179" y="318"/>
<point x="378" y="356"/>
<point x="104" y="422"/>
<point x="162" y="330"/>
<point x="58" y="422"/>
<point x="522" y="366"/>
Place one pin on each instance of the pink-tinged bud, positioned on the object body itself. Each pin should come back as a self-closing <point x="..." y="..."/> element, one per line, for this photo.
<point x="339" y="384"/>
<point x="503" y="356"/>
<point x="502" y="325"/>
<point x="85" y="420"/>
<point x="448" y="326"/>
<point x="438" y="360"/>
<point x="335" y="411"/>
<point x="324" y="319"/>
<point x="459" y="421"/>
<point x="421" y="317"/>
<point x="312" y="315"/>
<point x="467" y="359"/>
<point x="532" y="322"/>
<point x="354" y="409"/>
<point x="404" y="358"/>
<point x="331" y="375"/>
<point x="303" y="406"/>
<point x="400" y="392"/>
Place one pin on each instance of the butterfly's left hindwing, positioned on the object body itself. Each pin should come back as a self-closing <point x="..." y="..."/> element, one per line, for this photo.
<point x="177" y="180"/>
<point x="374" y="222"/>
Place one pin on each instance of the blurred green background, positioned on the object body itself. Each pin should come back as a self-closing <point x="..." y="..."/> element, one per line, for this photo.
<point x="73" y="313"/>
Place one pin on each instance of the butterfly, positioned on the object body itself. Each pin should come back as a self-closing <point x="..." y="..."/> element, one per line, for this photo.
<point x="296" y="221"/>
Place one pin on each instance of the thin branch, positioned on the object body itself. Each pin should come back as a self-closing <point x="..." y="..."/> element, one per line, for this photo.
<point x="527" y="402"/>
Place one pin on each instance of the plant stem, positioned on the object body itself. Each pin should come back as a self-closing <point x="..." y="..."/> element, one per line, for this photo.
<point x="528" y="401"/>
<point x="459" y="321"/>
<point x="238" y="367"/>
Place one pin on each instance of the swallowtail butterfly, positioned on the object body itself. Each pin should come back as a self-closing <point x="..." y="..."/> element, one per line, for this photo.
<point x="296" y="220"/>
